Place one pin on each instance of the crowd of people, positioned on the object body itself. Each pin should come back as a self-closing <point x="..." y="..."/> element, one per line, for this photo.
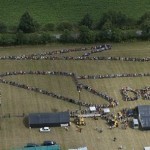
<point x="145" y="92"/>
<point x="97" y="49"/>
<point x="135" y="94"/>
<point x="142" y="93"/>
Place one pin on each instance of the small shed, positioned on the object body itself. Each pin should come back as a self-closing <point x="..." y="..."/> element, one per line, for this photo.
<point x="135" y="123"/>
<point x="38" y="120"/>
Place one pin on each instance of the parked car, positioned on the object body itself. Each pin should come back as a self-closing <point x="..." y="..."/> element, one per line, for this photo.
<point x="45" y="129"/>
<point x="48" y="143"/>
<point x="31" y="145"/>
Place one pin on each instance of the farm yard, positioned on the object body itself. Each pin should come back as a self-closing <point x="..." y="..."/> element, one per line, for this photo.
<point x="17" y="102"/>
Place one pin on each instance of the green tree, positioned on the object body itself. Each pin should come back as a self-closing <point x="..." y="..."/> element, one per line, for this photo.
<point x="3" y="28"/>
<point x="27" y="24"/>
<point x="87" y="21"/>
<point x="144" y="17"/>
<point x="66" y="37"/>
<point x="86" y="35"/>
<point x="146" y="29"/>
<point x="117" y="35"/>
<point x="117" y="19"/>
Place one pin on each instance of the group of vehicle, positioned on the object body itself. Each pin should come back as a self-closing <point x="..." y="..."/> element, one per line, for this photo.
<point x="45" y="143"/>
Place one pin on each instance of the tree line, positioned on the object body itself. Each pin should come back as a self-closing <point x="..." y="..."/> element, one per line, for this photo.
<point x="113" y="26"/>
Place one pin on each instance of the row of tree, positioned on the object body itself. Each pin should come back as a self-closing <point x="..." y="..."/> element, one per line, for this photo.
<point x="112" y="26"/>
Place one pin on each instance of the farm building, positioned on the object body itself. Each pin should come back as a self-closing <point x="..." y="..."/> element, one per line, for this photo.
<point x="144" y="116"/>
<point x="37" y="120"/>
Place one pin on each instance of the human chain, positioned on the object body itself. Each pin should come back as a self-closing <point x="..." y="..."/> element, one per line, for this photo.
<point x="47" y="55"/>
<point x="73" y="75"/>
<point x="45" y="92"/>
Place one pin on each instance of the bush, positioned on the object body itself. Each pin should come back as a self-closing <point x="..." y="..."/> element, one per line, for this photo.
<point x="8" y="39"/>
<point x="65" y="25"/>
<point x="49" y="27"/>
<point x="45" y="38"/>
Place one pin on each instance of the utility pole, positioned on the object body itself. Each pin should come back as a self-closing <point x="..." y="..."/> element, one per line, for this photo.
<point x="79" y="99"/>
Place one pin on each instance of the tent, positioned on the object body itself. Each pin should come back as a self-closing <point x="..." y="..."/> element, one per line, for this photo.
<point x="80" y="148"/>
<point x="146" y="148"/>
<point x="92" y="108"/>
<point x="106" y="110"/>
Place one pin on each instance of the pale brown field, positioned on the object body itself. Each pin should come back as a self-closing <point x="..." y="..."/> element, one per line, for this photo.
<point x="16" y="101"/>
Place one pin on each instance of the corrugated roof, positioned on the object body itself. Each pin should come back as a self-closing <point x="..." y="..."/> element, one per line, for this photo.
<point x="144" y="116"/>
<point x="41" y="118"/>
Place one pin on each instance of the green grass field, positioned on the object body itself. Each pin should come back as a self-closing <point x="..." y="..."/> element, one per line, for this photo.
<point x="15" y="101"/>
<point x="55" y="11"/>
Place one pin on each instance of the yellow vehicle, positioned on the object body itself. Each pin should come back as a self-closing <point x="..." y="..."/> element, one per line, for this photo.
<point x="79" y="121"/>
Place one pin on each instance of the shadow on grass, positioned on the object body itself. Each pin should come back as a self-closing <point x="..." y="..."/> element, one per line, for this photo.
<point x="26" y="121"/>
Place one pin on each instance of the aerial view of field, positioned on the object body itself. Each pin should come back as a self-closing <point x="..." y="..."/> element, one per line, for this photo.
<point x="16" y="101"/>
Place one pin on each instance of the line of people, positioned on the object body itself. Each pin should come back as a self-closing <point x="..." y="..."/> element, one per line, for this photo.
<point x="47" y="57"/>
<point x="51" y="55"/>
<point x="113" y="75"/>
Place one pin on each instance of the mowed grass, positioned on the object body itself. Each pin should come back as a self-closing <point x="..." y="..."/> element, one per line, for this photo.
<point x="45" y="11"/>
<point x="17" y="101"/>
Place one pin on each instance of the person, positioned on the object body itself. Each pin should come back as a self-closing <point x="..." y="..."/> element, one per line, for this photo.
<point x="115" y="139"/>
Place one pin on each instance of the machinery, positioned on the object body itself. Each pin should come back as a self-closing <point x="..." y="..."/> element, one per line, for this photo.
<point x="79" y="121"/>
<point x="113" y="123"/>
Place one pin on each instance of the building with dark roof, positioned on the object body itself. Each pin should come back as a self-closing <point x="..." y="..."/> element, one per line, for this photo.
<point x="52" y="147"/>
<point x="38" y="120"/>
<point x="144" y="116"/>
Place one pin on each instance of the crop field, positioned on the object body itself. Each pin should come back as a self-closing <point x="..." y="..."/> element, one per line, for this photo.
<point x="17" y="101"/>
<point x="45" y="11"/>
